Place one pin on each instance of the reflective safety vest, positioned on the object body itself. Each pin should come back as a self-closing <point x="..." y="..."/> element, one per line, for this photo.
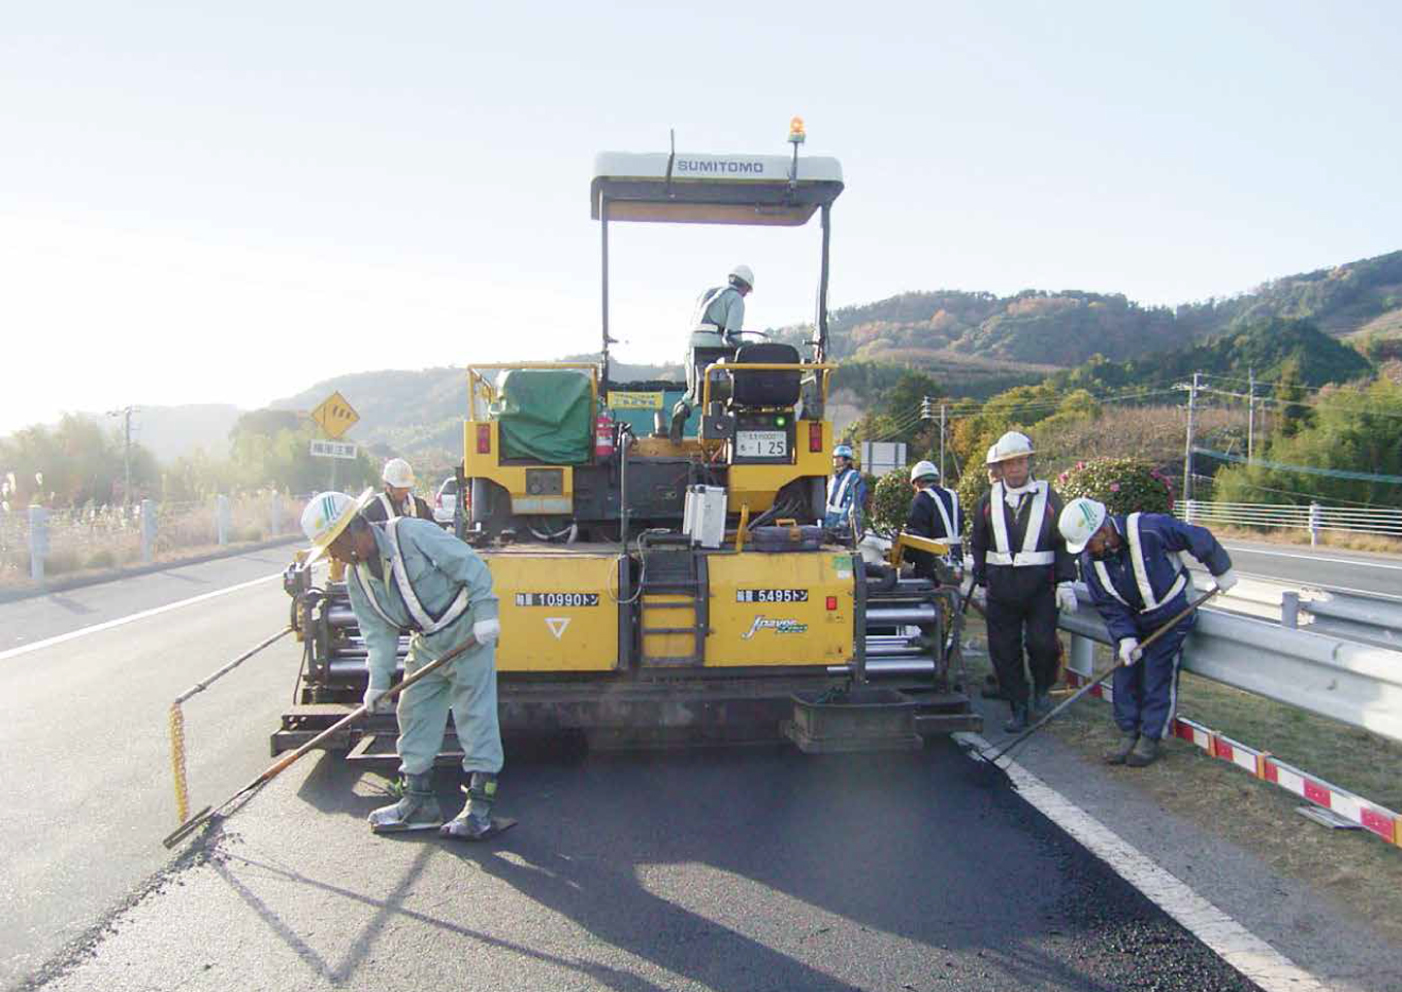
<point x="424" y="622"/>
<point x="841" y="489"/>
<point x="952" y="537"/>
<point x="392" y="511"/>
<point x="1029" y="555"/>
<point x="1141" y="573"/>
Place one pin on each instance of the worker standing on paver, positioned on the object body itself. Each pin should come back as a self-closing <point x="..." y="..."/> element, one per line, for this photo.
<point x="934" y="513"/>
<point x="715" y="329"/>
<point x="1018" y="556"/>
<point x="411" y="575"/>
<point x="397" y="499"/>
<point x="847" y="491"/>
<point x="1133" y="569"/>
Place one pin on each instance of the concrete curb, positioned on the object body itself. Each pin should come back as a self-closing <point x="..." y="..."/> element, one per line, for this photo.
<point x="113" y="574"/>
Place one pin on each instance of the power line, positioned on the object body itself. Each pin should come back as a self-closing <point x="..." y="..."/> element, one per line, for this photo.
<point x="1301" y="402"/>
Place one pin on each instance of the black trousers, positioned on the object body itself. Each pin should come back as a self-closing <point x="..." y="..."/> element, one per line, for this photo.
<point x="1011" y="622"/>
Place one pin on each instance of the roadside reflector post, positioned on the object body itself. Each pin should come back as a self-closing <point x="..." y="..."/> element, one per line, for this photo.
<point x="38" y="541"/>
<point x="148" y="530"/>
<point x="222" y="519"/>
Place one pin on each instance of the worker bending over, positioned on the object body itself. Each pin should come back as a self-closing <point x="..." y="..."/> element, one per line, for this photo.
<point x="397" y="500"/>
<point x="411" y="575"/>
<point x="847" y="492"/>
<point x="1019" y="557"/>
<point x="715" y="329"/>
<point x="934" y="513"/>
<point x="1137" y="581"/>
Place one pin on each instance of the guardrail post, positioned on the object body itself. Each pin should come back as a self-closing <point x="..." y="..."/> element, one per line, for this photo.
<point x="222" y="520"/>
<point x="1188" y="510"/>
<point x="1290" y="610"/>
<point x="38" y="541"/>
<point x="1314" y="523"/>
<point x="148" y="530"/>
<point x="1082" y="659"/>
<point x="275" y="515"/>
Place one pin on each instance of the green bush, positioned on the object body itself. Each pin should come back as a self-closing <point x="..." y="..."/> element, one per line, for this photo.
<point x="890" y="502"/>
<point x="971" y="488"/>
<point x="1124" y="485"/>
<point x="249" y="534"/>
<point x="102" y="559"/>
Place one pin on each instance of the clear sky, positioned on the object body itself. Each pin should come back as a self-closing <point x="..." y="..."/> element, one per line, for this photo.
<point x="229" y="202"/>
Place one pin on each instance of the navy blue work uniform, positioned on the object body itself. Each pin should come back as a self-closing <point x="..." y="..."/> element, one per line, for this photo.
<point x="1138" y="589"/>
<point x="935" y="513"/>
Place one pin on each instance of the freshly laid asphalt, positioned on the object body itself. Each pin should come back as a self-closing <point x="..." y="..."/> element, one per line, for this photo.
<point x="728" y="870"/>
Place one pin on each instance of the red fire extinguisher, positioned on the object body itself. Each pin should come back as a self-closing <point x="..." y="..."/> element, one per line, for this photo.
<point x="603" y="435"/>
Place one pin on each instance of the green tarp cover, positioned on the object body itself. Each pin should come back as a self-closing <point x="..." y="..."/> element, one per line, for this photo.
<point x="546" y="415"/>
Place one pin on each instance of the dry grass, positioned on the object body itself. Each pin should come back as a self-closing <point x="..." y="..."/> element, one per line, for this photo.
<point x="1358" y="869"/>
<point x="1329" y="539"/>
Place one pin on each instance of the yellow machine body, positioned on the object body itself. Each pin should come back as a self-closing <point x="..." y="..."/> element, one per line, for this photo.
<point x="782" y="609"/>
<point x="557" y="610"/>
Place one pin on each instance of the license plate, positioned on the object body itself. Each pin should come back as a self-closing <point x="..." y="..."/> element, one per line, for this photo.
<point x="761" y="444"/>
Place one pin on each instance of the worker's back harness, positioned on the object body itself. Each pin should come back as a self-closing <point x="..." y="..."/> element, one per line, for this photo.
<point x="952" y="537"/>
<point x="392" y="511"/>
<point x="1029" y="555"/>
<point x="704" y="304"/>
<point x="424" y="622"/>
<point x="1141" y="572"/>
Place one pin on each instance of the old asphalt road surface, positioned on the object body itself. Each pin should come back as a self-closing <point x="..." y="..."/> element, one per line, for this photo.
<point x="760" y="869"/>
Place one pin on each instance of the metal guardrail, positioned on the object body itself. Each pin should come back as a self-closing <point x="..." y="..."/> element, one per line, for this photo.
<point x="1312" y="518"/>
<point x="1353" y="616"/>
<point x="1358" y="684"/>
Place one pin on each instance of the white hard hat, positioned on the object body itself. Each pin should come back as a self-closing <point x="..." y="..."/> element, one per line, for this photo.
<point x="924" y="470"/>
<point x="327" y="515"/>
<point x="1012" y="445"/>
<point x="745" y="274"/>
<point x="992" y="458"/>
<point x="1079" y="521"/>
<point x="398" y="474"/>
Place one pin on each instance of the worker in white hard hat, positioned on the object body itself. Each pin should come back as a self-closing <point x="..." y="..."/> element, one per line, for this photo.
<point x="934" y="513"/>
<point x="995" y="470"/>
<point x="397" y="499"/>
<point x="1132" y="566"/>
<point x="847" y="493"/>
<point x="1019" y="557"/>
<point x="448" y="600"/>
<point x="715" y="327"/>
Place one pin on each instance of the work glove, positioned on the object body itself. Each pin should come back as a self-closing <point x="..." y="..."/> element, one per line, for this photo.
<point x="1226" y="580"/>
<point x="1066" y="598"/>
<point x="1127" y="648"/>
<point x="374" y="699"/>
<point x="487" y="631"/>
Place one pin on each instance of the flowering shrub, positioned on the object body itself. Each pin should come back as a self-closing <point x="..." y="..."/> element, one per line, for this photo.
<point x="1124" y="485"/>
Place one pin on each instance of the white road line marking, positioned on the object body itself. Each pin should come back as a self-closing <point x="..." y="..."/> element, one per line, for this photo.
<point x="1324" y="558"/>
<point x="108" y="625"/>
<point x="1233" y="943"/>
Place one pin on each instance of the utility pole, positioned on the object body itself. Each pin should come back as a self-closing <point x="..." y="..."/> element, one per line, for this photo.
<point x="1251" y="415"/>
<point x="125" y="413"/>
<point x="944" y="411"/>
<point x="1188" y="450"/>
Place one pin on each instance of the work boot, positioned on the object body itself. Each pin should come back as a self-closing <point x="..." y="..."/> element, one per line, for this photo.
<point x="475" y="820"/>
<point x="1018" y="722"/>
<point x="417" y="810"/>
<point x="1041" y="703"/>
<point x="1117" y="754"/>
<point x="1145" y="752"/>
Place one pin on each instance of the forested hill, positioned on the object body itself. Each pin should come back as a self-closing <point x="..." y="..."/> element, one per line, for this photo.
<point x="1067" y="327"/>
<point x="1272" y="349"/>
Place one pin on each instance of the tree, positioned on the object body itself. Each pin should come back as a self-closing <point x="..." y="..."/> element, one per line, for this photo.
<point x="1289" y="390"/>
